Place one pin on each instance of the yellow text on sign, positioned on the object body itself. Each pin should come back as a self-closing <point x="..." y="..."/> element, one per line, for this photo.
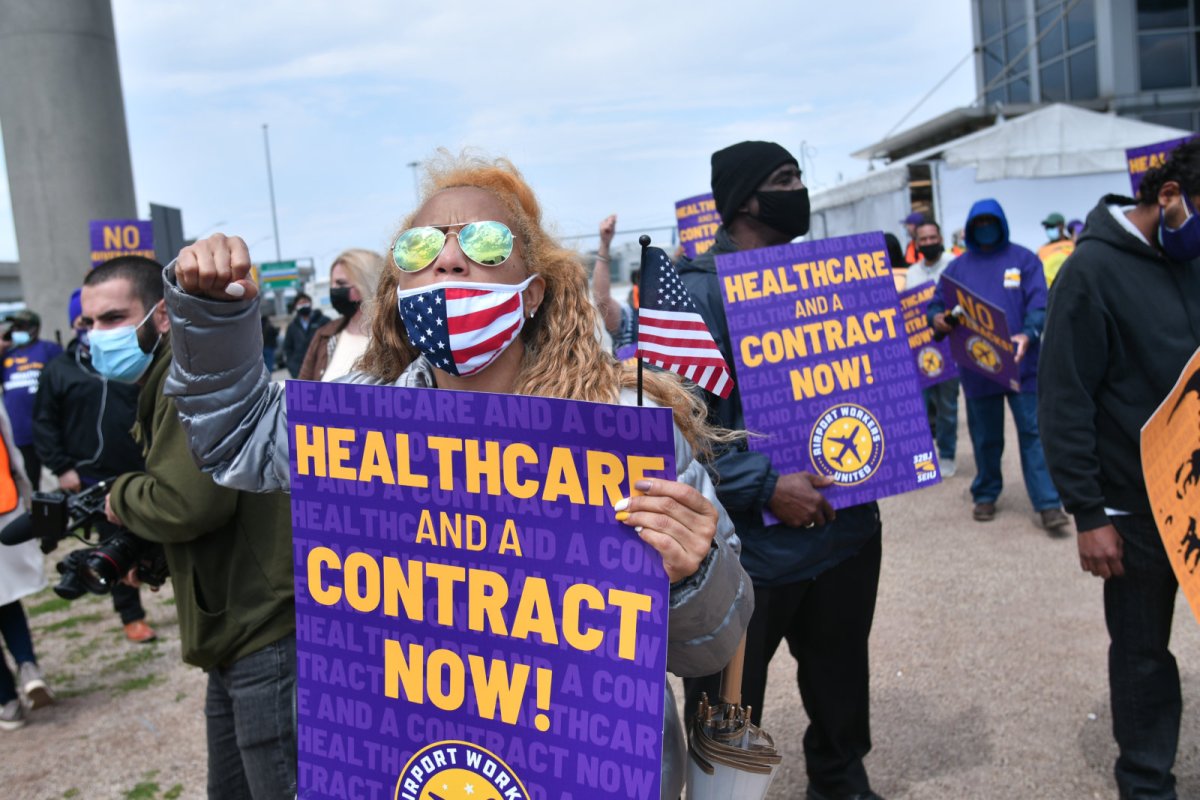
<point x="122" y="237"/>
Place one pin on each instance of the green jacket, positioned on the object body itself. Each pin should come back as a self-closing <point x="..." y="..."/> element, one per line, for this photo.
<point x="230" y="552"/>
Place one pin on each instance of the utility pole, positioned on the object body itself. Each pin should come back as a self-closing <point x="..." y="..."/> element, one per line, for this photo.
<point x="416" y="186"/>
<point x="271" y="187"/>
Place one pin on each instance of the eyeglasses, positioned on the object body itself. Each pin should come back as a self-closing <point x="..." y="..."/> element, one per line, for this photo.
<point x="488" y="243"/>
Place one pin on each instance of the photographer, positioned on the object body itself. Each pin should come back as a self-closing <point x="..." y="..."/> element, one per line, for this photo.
<point x="81" y="430"/>
<point x="229" y="551"/>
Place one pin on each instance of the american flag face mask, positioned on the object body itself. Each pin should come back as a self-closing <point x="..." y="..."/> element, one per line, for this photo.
<point x="462" y="326"/>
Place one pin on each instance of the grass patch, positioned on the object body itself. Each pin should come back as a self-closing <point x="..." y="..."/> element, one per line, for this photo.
<point x="174" y="792"/>
<point x="147" y="790"/>
<point x="179" y="696"/>
<point x="136" y="684"/>
<point x="71" y="622"/>
<point x="133" y="659"/>
<point x="71" y="793"/>
<point x="53" y="604"/>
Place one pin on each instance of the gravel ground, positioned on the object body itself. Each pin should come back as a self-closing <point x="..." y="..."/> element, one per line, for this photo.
<point x="988" y="664"/>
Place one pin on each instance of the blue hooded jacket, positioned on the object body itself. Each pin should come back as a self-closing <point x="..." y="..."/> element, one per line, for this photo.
<point x="1023" y="301"/>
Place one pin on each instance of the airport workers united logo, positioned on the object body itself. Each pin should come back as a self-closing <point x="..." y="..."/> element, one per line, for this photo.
<point x="983" y="354"/>
<point x="453" y="770"/>
<point x="847" y="444"/>
<point x="931" y="362"/>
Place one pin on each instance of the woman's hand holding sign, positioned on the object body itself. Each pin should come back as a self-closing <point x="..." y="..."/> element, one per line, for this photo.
<point x="217" y="267"/>
<point x="674" y="519"/>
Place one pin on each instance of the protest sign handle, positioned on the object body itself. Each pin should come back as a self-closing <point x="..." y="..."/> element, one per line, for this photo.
<point x="731" y="677"/>
<point x="644" y="241"/>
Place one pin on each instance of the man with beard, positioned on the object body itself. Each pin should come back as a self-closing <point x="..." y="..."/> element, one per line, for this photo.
<point x="1123" y="321"/>
<point x="229" y="552"/>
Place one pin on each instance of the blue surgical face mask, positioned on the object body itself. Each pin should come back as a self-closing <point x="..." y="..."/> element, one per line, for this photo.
<point x="116" y="353"/>
<point x="987" y="233"/>
<point x="1181" y="244"/>
<point x="21" y="338"/>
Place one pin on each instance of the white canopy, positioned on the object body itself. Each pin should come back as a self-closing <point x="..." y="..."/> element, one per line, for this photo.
<point x="1051" y="142"/>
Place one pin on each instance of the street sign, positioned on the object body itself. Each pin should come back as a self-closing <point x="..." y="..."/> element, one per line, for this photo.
<point x="278" y="275"/>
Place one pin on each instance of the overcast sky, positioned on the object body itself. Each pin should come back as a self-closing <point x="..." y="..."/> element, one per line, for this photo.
<point x="611" y="107"/>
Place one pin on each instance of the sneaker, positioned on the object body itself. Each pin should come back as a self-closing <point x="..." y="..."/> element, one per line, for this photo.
<point x="984" y="512"/>
<point x="12" y="715"/>
<point x="33" y="685"/>
<point x="1054" y="518"/>
<point x="947" y="466"/>
<point x="138" y="631"/>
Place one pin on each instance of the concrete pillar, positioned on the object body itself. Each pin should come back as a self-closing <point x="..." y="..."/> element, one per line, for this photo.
<point x="65" y="141"/>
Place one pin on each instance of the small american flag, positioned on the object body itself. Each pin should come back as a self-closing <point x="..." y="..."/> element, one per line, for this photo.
<point x="462" y="330"/>
<point x="671" y="333"/>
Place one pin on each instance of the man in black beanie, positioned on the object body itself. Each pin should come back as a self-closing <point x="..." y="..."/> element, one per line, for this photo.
<point x="816" y="572"/>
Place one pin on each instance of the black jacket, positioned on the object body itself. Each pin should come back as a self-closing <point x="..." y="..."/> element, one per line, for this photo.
<point x="745" y="480"/>
<point x="84" y="422"/>
<point x="296" y="340"/>
<point x="1121" y="324"/>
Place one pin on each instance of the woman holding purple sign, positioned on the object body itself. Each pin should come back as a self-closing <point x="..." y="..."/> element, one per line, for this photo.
<point x="478" y="231"/>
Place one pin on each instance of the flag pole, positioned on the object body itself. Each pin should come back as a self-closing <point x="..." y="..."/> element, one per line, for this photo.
<point x="644" y="241"/>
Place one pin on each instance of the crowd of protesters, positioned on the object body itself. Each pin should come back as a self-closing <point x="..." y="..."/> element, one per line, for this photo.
<point x="162" y="390"/>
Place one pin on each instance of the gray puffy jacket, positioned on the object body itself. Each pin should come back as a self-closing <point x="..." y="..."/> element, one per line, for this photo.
<point x="236" y="421"/>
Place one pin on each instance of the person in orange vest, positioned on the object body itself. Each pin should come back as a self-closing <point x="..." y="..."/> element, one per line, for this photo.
<point x="1055" y="252"/>
<point x="911" y="254"/>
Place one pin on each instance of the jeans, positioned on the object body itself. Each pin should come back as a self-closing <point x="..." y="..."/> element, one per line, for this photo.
<point x="1142" y="675"/>
<point x="251" y="715"/>
<point x="985" y="420"/>
<point x="15" y="629"/>
<point x="826" y="622"/>
<point x="941" y="400"/>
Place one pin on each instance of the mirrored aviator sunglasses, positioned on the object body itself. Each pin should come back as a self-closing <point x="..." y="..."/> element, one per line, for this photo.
<point x="487" y="243"/>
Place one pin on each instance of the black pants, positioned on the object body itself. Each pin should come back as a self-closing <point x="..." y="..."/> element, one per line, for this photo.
<point x="1142" y="675"/>
<point x="33" y="465"/>
<point x="826" y="622"/>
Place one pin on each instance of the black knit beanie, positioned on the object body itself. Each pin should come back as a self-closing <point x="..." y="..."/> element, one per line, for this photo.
<point x="738" y="170"/>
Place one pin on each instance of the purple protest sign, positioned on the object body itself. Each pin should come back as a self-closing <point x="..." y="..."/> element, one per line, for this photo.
<point x="934" y="362"/>
<point x="824" y="367"/>
<point x="1143" y="159"/>
<point x="981" y="341"/>
<point x="471" y="620"/>
<point x="698" y="221"/>
<point x="120" y="237"/>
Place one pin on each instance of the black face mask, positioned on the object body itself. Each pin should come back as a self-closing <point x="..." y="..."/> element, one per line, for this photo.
<point x="932" y="252"/>
<point x="786" y="212"/>
<point x="304" y="311"/>
<point x="339" y="298"/>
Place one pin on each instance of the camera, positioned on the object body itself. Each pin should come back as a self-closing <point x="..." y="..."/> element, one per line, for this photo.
<point x="114" y="552"/>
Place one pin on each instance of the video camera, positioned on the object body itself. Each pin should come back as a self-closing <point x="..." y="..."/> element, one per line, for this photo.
<point x="116" y="550"/>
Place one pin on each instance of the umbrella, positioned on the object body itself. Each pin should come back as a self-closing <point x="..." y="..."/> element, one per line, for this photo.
<point x="728" y="755"/>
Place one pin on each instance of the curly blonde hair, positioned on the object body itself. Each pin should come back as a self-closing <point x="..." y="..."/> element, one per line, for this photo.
<point x="563" y="357"/>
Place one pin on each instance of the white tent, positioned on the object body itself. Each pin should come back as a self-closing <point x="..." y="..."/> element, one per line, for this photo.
<point x="1057" y="159"/>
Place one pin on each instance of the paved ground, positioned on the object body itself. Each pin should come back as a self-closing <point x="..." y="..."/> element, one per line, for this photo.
<point x="988" y="676"/>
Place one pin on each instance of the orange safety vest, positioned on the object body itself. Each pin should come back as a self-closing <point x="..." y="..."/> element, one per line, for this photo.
<point x="9" y="496"/>
<point x="910" y="253"/>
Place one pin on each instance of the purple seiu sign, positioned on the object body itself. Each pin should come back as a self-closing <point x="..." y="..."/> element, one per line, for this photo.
<point x="1141" y="160"/>
<point x="698" y="221"/>
<point x="120" y="237"/>
<point x="981" y="342"/>
<point x="824" y="367"/>
<point x="933" y="358"/>
<point x="471" y="620"/>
